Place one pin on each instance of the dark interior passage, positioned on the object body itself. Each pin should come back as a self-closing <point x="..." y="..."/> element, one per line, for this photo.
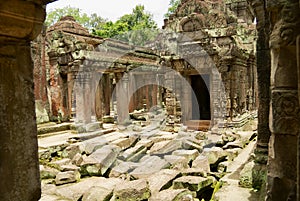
<point x="201" y="100"/>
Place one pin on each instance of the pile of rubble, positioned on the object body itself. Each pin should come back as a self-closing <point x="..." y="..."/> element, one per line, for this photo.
<point x="147" y="165"/>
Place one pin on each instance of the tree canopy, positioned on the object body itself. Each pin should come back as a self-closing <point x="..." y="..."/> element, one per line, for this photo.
<point x="135" y="28"/>
<point x="172" y="7"/>
<point x="90" y="22"/>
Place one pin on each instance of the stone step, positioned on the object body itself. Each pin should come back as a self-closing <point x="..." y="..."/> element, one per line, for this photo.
<point x="199" y="125"/>
<point x="52" y="128"/>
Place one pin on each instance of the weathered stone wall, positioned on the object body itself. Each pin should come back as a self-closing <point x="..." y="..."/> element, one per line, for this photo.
<point x="226" y="56"/>
<point x="223" y="31"/>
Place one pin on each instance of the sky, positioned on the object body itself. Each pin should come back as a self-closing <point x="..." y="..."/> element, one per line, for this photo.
<point x="114" y="9"/>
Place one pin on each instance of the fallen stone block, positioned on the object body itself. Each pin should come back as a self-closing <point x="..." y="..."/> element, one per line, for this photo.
<point x="149" y="166"/>
<point x="189" y="144"/>
<point x="100" y="161"/>
<point x="163" y="137"/>
<point x="136" y="190"/>
<point x="190" y="155"/>
<point x="125" y="143"/>
<point x="72" y="150"/>
<point x="145" y="143"/>
<point x="98" y="193"/>
<point x="202" y="163"/>
<point x="177" y="162"/>
<point x="110" y="137"/>
<point x="122" y="168"/>
<point x="165" y="147"/>
<point x="193" y="183"/>
<point x="65" y="168"/>
<point x="59" y="163"/>
<point x="174" y="195"/>
<point x="133" y="154"/>
<point x="214" y="155"/>
<point x="89" y="146"/>
<point x="193" y="172"/>
<point x="77" y="159"/>
<point x="48" y="172"/>
<point x="75" y="191"/>
<point x="67" y="177"/>
<point x="162" y="180"/>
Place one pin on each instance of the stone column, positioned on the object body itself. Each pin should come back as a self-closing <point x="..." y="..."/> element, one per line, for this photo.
<point x="186" y="100"/>
<point x="20" y="22"/>
<point x="83" y="98"/>
<point x="70" y="92"/>
<point x="263" y="64"/>
<point x="98" y="100"/>
<point x="122" y="97"/>
<point x="284" y="110"/>
<point x="132" y="90"/>
<point x="107" y="93"/>
<point x="263" y="70"/>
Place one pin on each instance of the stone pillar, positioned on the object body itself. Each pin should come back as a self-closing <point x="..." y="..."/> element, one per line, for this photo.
<point x="20" y="22"/>
<point x="98" y="100"/>
<point x="107" y="93"/>
<point x="132" y="90"/>
<point x="187" y="100"/>
<point x="70" y="78"/>
<point x="284" y="110"/>
<point x="122" y="97"/>
<point x="83" y="98"/>
<point x="263" y="70"/>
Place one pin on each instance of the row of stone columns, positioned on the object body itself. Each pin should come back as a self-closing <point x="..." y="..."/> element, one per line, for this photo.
<point x="94" y="95"/>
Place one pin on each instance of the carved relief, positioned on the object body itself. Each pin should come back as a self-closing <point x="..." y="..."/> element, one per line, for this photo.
<point x="286" y="112"/>
<point x="286" y="28"/>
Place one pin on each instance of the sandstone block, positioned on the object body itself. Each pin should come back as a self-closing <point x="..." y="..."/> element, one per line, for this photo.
<point x="165" y="147"/>
<point x="193" y="183"/>
<point x="149" y="166"/>
<point x="174" y="195"/>
<point x="177" y="162"/>
<point x="188" y="154"/>
<point x="162" y="180"/>
<point x="67" y="177"/>
<point x="202" y="163"/>
<point x="132" y="191"/>
<point x="98" y="162"/>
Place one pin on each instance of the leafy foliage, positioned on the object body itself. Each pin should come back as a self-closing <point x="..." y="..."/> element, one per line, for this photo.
<point x="135" y="28"/>
<point x="173" y="6"/>
<point x="90" y="22"/>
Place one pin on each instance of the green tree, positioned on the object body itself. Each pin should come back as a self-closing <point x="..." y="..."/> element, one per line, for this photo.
<point x="173" y="6"/>
<point x="135" y="28"/>
<point x="90" y="22"/>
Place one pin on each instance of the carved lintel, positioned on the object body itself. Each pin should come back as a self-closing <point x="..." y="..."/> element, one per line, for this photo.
<point x="285" y="111"/>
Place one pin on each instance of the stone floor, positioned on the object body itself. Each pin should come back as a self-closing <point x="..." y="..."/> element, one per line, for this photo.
<point x="145" y="163"/>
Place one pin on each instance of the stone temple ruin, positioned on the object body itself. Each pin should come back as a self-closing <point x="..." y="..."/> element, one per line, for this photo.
<point x="175" y="119"/>
<point x="207" y="74"/>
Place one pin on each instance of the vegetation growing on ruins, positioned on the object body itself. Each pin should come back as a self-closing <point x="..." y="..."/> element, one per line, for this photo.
<point x="136" y="28"/>
<point x="172" y="7"/>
